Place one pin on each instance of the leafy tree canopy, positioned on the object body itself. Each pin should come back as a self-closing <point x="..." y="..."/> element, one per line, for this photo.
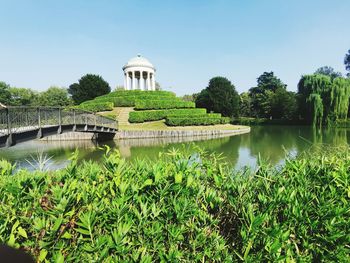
<point x="328" y="71"/>
<point x="220" y="96"/>
<point x="347" y="62"/>
<point x="89" y="87"/>
<point x="5" y="95"/>
<point x="23" y="96"/>
<point x="262" y="94"/>
<point x="54" y="96"/>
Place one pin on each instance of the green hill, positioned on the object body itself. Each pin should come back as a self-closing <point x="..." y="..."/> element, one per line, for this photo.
<point x="155" y="105"/>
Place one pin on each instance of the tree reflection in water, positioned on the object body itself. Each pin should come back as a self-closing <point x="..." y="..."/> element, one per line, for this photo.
<point x="272" y="143"/>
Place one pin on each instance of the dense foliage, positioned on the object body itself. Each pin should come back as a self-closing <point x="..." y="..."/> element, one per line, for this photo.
<point x="323" y="99"/>
<point x="207" y="119"/>
<point x="96" y="106"/>
<point x="347" y="62"/>
<point x="155" y="115"/>
<point x="53" y="96"/>
<point x="328" y="71"/>
<point x="270" y="99"/>
<point x="220" y="96"/>
<point x="88" y="87"/>
<point x="5" y="95"/>
<point x="163" y="104"/>
<point x="181" y="208"/>
<point x="128" y="98"/>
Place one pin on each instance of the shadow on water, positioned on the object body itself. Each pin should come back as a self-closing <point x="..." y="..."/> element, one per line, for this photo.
<point x="272" y="143"/>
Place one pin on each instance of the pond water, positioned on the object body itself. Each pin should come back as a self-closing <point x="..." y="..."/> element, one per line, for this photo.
<point x="272" y="143"/>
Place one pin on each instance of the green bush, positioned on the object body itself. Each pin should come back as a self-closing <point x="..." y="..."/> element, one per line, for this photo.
<point x="209" y="115"/>
<point x="189" y="121"/>
<point x="155" y="115"/>
<point x="126" y="93"/>
<point x="130" y="101"/>
<point x="163" y="104"/>
<point x="181" y="208"/>
<point x="96" y="106"/>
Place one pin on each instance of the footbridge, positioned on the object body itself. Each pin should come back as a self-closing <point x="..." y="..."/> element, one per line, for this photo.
<point x="19" y="124"/>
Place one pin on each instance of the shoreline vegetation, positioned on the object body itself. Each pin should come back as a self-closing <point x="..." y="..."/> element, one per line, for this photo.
<point x="182" y="207"/>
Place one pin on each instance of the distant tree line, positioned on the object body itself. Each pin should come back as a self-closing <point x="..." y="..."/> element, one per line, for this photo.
<point x="88" y="87"/>
<point x="322" y="97"/>
<point x="53" y="96"/>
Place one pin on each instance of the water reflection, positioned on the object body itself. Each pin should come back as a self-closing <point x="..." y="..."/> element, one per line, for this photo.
<point x="270" y="142"/>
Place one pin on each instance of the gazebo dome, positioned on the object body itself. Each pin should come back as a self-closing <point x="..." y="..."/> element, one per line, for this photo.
<point x="139" y="74"/>
<point x="138" y="61"/>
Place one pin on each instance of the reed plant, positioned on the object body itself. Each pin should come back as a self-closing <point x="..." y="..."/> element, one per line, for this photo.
<point x="184" y="207"/>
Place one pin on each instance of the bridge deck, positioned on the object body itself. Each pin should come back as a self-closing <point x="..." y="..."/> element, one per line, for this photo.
<point x="19" y="124"/>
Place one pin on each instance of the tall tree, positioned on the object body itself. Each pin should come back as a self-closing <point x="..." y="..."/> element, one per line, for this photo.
<point x="89" y="87"/>
<point x="54" y="96"/>
<point x="323" y="97"/>
<point x="23" y="96"/>
<point x="5" y="95"/>
<point x="347" y="62"/>
<point x="283" y="104"/>
<point x="262" y="94"/>
<point x="245" y="105"/>
<point x="328" y="71"/>
<point x="220" y="96"/>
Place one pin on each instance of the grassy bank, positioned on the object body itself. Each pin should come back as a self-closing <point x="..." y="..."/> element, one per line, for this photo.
<point x="189" y="208"/>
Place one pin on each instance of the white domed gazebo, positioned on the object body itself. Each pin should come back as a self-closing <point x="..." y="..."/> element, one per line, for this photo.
<point x="139" y="74"/>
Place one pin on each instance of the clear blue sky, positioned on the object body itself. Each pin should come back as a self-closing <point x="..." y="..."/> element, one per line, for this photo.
<point x="47" y="42"/>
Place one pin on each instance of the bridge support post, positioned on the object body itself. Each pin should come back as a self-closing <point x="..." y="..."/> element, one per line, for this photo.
<point x="10" y="139"/>
<point x="40" y="132"/>
<point x="95" y="122"/>
<point x="59" y="130"/>
<point x="74" y="122"/>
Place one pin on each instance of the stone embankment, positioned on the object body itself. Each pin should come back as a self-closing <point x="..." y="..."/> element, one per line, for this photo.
<point x="178" y="133"/>
<point x="72" y="136"/>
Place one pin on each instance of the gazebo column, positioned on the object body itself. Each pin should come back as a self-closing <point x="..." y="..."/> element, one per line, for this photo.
<point x="127" y="84"/>
<point x="141" y="81"/>
<point x="148" y="81"/>
<point x="133" y="80"/>
<point x="153" y="82"/>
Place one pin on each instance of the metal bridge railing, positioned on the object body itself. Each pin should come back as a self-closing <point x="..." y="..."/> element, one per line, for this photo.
<point x="21" y="119"/>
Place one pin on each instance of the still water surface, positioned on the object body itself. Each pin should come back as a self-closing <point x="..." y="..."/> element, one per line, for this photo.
<point x="271" y="142"/>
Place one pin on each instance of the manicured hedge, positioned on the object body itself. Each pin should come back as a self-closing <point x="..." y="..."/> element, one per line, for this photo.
<point x="187" y="121"/>
<point x="125" y="93"/>
<point x="163" y="104"/>
<point x="130" y="101"/>
<point x="155" y="115"/>
<point x="97" y="106"/>
<point x="210" y="115"/>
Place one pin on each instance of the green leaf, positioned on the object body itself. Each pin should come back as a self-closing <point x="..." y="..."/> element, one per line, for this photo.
<point x="67" y="235"/>
<point x="59" y="257"/>
<point x="147" y="183"/>
<point x="11" y="240"/>
<point x="178" y="178"/>
<point x="22" y="232"/>
<point x="42" y="255"/>
<point x="189" y="180"/>
<point x="82" y="231"/>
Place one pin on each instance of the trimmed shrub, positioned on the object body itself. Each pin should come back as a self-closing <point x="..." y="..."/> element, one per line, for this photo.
<point x="130" y="101"/>
<point x="155" y="115"/>
<point x="96" y="106"/>
<point x="126" y="93"/>
<point x="163" y="104"/>
<point x="188" y="121"/>
<point x="210" y="115"/>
